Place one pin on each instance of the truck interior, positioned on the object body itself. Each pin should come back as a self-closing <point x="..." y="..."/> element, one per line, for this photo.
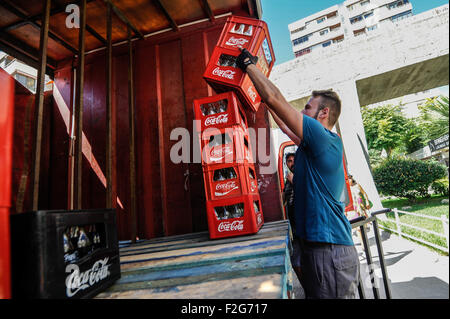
<point x="123" y="79"/>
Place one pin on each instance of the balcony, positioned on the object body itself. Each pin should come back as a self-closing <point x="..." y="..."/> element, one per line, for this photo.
<point x="317" y="38"/>
<point x="313" y="26"/>
<point x="384" y="12"/>
<point x="359" y="10"/>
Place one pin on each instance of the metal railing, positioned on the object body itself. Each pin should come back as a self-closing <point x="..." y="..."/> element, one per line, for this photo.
<point x="361" y="222"/>
<point x="443" y="219"/>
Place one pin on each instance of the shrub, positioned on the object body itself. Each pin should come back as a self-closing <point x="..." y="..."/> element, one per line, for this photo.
<point x="440" y="186"/>
<point x="405" y="177"/>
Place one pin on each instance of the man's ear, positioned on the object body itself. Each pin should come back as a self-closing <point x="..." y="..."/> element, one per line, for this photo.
<point x="324" y="113"/>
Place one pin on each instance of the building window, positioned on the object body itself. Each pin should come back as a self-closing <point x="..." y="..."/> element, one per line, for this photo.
<point x="401" y="16"/>
<point x="364" y="3"/>
<point x="302" y="52"/>
<point x="335" y="27"/>
<point x="323" y="32"/>
<point x="372" y="27"/>
<point x="359" y="32"/>
<point x="339" y="39"/>
<point x="368" y="15"/>
<point x="356" y="19"/>
<point x="7" y="60"/>
<point x="350" y="7"/>
<point x="298" y="30"/>
<point x="301" y="40"/>
<point x="321" y="20"/>
<point x="26" y="81"/>
<point x="396" y="4"/>
<point x="332" y="15"/>
<point x="325" y="44"/>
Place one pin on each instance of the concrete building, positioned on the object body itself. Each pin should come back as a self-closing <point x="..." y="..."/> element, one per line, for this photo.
<point x="404" y="57"/>
<point x="344" y="21"/>
<point x="411" y="102"/>
<point x="22" y="72"/>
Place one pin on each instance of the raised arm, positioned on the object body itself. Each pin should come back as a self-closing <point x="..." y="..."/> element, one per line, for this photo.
<point x="271" y="95"/>
<point x="284" y="128"/>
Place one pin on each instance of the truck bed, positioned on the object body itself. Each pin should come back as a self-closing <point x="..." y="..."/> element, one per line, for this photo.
<point x="194" y="266"/>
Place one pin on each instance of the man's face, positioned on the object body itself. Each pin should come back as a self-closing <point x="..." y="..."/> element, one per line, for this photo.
<point x="290" y="163"/>
<point x="312" y="107"/>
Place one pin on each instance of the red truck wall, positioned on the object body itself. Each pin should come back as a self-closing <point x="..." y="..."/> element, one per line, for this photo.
<point x="24" y="104"/>
<point x="6" y="134"/>
<point x="168" y="71"/>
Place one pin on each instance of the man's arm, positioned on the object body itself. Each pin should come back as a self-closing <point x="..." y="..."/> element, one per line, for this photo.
<point x="284" y="128"/>
<point x="272" y="96"/>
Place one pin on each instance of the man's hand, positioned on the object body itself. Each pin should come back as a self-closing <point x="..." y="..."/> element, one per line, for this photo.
<point x="290" y="177"/>
<point x="272" y="96"/>
<point x="245" y="59"/>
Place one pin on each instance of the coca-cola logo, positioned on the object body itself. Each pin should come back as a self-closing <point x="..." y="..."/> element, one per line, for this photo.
<point x="77" y="280"/>
<point x="227" y="74"/>
<point x="237" y="225"/>
<point x="259" y="219"/>
<point x="219" y="152"/>
<point x="215" y="120"/>
<point x="236" y="42"/>
<point x="251" y="93"/>
<point x="225" y="188"/>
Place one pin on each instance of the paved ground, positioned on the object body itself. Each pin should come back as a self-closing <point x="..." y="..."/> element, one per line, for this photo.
<point x="414" y="271"/>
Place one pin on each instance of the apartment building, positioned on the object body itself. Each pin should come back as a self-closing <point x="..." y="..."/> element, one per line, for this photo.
<point x="344" y="21"/>
<point x="23" y="73"/>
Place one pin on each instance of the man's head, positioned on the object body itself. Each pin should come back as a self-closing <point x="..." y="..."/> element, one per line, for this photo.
<point x="290" y="161"/>
<point x="351" y="180"/>
<point x="324" y="106"/>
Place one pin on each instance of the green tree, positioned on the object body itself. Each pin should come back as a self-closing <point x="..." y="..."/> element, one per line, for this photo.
<point x="384" y="127"/>
<point x="434" y="115"/>
<point x="414" y="137"/>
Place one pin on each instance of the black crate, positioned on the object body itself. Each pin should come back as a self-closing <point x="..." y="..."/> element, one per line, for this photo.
<point x="42" y="269"/>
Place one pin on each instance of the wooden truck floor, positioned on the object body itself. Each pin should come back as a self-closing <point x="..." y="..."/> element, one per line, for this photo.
<point x="194" y="266"/>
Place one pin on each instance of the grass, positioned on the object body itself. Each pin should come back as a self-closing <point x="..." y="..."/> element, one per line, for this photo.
<point x="425" y="206"/>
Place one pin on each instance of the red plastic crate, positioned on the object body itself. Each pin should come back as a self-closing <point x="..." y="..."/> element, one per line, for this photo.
<point x="229" y="145"/>
<point x="222" y="74"/>
<point x="224" y="220"/>
<point x="251" y="34"/>
<point x="224" y="78"/>
<point x="229" y="180"/>
<point x="219" y="111"/>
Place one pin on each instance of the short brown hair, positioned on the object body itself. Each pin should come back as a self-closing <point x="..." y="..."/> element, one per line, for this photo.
<point x="329" y="99"/>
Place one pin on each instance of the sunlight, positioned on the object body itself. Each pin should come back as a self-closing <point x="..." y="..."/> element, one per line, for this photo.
<point x="86" y="146"/>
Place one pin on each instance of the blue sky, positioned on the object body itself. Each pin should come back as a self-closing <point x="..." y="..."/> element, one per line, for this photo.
<point x="279" y="13"/>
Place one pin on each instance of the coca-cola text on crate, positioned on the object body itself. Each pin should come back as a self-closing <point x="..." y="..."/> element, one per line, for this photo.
<point x="219" y="111"/>
<point x="223" y="75"/>
<point x="229" y="180"/>
<point x="227" y="145"/>
<point x="241" y="215"/>
<point x="64" y="254"/>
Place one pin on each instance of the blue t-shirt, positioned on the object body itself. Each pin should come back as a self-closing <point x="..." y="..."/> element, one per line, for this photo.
<point x="318" y="185"/>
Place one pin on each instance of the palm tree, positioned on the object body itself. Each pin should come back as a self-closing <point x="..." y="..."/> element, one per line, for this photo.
<point x="434" y="116"/>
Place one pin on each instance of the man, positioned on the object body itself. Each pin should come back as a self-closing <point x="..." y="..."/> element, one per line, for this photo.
<point x="329" y="261"/>
<point x="288" y="201"/>
<point x="288" y="191"/>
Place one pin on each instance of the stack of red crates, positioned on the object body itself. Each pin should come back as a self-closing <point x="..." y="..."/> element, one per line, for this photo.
<point x="232" y="199"/>
<point x="222" y="74"/>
